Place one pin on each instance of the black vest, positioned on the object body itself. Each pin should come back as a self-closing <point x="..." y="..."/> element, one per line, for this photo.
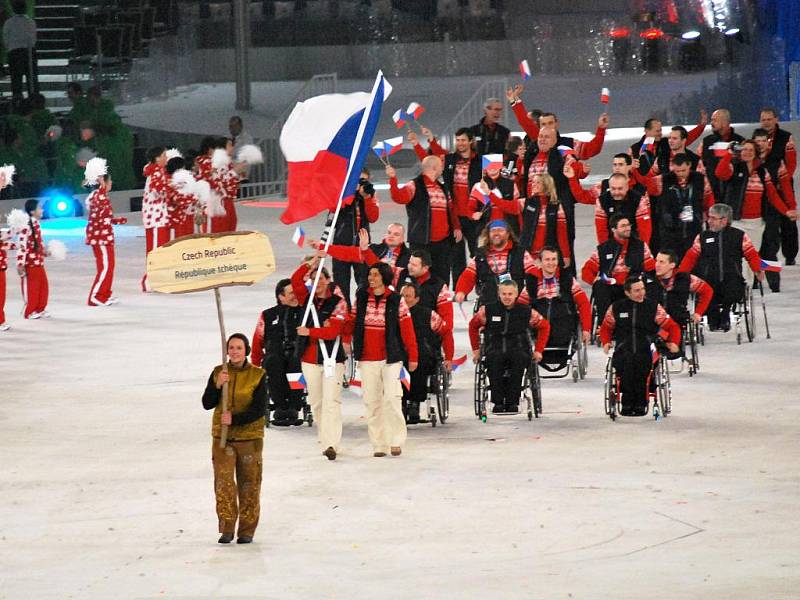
<point x="395" y="352"/>
<point x="674" y="301"/>
<point x="346" y="233"/>
<point x="428" y="291"/>
<point x="676" y="233"/>
<point x="777" y="153"/>
<point x="530" y="222"/>
<point x="428" y="342"/>
<point x="710" y="161"/>
<point x="506" y="187"/>
<point x="448" y="175"/>
<point x="419" y="213"/>
<point x="488" y="141"/>
<point x="560" y="312"/>
<point x="487" y="279"/>
<point x="555" y="168"/>
<point x="734" y="190"/>
<point x="627" y="207"/>
<point x="720" y="255"/>
<point x="380" y="250"/>
<point x="647" y="158"/>
<point x="635" y="325"/>
<point x="325" y="309"/>
<point x="506" y="328"/>
<point x="280" y="329"/>
<point x="609" y="251"/>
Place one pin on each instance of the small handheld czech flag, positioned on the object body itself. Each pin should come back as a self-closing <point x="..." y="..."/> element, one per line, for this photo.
<point x="299" y="237"/>
<point x="720" y="149"/>
<point x="393" y="145"/>
<point x="459" y="362"/>
<point x="379" y="149"/>
<point x="605" y="95"/>
<point x="405" y="377"/>
<point x="566" y="151"/>
<point x="400" y="117"/>
<point x="771" y="265"/>
<point x="414" y="111"/>
<point x="607" y="279"/>
<point x="648" y="143"/>
<point x="296" y="381"/>
<point x="492" y="162"/>
<point x="654" y="355"/>
<point x="525" y="70"/>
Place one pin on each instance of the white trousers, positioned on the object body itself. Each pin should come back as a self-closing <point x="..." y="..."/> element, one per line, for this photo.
<point x="383" y="397"/>
<point x="754" y="228"/>
<point x="325" y="398"/>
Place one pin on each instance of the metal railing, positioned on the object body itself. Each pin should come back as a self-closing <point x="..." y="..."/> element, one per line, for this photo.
<point x="269" y="178"/>
<point x="472" y="112"/>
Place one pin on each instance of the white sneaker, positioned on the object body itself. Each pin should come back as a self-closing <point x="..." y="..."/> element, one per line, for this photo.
<point x="112" y="300"/>
<point x="44" y="314"/>
<point x="4" y="326"/>
<point x="35" y="315"/>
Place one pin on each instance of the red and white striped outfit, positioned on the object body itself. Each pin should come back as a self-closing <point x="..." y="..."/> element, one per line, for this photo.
<point x="155" y="219"/>
<point x="540" y="235"/>
<point x="751" y="205"/>
<point x="5" y="246"/>
<point x="440" y="224"/>
<point x="100" y="236"/>
<point x="30" y="257"/>
<point x="548" y="287"/>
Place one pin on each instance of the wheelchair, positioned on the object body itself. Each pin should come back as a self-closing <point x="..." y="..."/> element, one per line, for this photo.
<point x="349" y="371"/>
<point x="437" y="402"/>
<point x="659" y="390"/>
<point x="691" y="336"/>
<point x="561" y="361"/>
<point x="308" y="416"/>
<point x="743" y="316"/>
<point x="531" y="388"/>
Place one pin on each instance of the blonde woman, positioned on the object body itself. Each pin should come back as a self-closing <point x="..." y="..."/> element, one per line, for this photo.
<point x="544" y="219"/>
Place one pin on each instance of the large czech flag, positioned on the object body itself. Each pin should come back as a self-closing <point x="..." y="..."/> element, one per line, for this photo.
<point x="325" y="142"/>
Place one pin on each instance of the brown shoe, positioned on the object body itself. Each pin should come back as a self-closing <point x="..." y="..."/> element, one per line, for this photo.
<point x="379" y="454"/>
<point x="330" y="453"/>
<point x="396" y="450"/>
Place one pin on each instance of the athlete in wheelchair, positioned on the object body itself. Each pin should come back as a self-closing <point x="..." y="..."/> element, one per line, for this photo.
<point x="716" y="256"/>
<point x="562" y="301"/>
<point x="672" y="290"/>
<point x="633" y="324"/>
<point x="431" y="376"/>
<point x="504" y="354"/>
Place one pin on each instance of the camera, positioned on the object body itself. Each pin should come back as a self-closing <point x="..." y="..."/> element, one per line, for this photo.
<point x="367" y="189"/>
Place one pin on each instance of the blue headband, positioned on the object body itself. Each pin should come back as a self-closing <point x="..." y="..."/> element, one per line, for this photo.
<point x="498" y="223"/>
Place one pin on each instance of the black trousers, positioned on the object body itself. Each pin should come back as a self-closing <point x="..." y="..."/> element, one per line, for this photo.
<point x="282" y="396"/>
<point x="633" y="369"/>
<point x="441" y="255"/>
<point x="789" y="238"/>
<point x="726" y="294"/>
<point x="341" y="275"/>
<point x="506" y="390"/>
<point x="469" y="243"/>
<point x="18" y="66"/>
<point x="604" y="296"/>
<point x="418" y="391"/>
<point x="771" y="245"/>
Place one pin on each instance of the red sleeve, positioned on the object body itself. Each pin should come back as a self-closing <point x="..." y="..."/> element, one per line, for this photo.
<point x="445" y="332"/>
<point x="787" y="193"/>
<point x="790" y="157"/>
<point x="690" y="258"/>
<point x="670" y="330"/>
<point x="695" y="133"/>
<point x="542" y="327"/>
<point x="369" y="257"/>
<point x="581" y="195"/>
<point x="724" y="170"/>
<point x="607" y="327"/>
<point x="649" y="263"/>
<point x="350" y="254"/>
<point x="643" y="222"/>
<point x="299" y="284"/>
<point x="507" y="206"/>
<point x="454" y="216"/>
<point x="409" y="337"/>
<point x="420" y="151"/>
<point x="466" y="283"/>
<point x="330" y="332"/>
<point x="600" y="223"/>
<point x="583" y="305"/>
<point x="593" y="147"/>
<point x="751" y="254"/>
<point x="436" y="149"/>
<point x="371" y="210"/>
<point x="477" y="321"/>
<point x="704" y="294"/>
<point x="401" y="195"/>
<point x="530" y="126"/>
<point x="775" y="198"/>
<point x="591" y="268"/>
<point x="257" y="353"/>
<point x="651" y="182"/>
<point x="563" y="238"/>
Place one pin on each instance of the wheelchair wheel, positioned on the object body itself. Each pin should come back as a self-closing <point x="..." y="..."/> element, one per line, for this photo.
<point x="609" y="395"/>
<point x="749" y="315"/>
<point x="480" y="390"/>
<point x="536" y="390"/>
<point x="594" y="339"/>
<point x="442" y="394"/>
<point x="694" y="361"/>
<point x="663" y="388"/>
<point x="308" y="416"/>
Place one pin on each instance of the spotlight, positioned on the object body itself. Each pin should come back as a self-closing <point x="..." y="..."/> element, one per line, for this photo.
<point x="732" y="31"/>
<point x="692" y="34"/>
<point x="57" y="203"/>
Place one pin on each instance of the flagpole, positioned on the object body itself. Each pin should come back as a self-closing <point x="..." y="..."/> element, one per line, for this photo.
<point x="330" y="226"/>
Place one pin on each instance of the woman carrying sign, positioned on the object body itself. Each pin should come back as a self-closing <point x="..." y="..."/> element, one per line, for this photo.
<point x="237" y="466"/>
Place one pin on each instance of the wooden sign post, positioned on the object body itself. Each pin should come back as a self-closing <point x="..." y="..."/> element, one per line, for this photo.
<point x="203" y="262"/>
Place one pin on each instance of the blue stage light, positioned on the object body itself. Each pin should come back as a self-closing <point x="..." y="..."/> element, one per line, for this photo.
<point x="58" y="203"/>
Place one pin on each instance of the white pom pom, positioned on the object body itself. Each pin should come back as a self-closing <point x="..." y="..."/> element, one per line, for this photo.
<point x="183" y="180"/>
<point x="214" y="205"/>
<point x="8" y="171"/>
<point x="202" y="191"/>
<point x="57" y="249"/>
<point x="17" y="220"/>
<point x="95" y="169"/>
<point x="220" y="159"/>
<point x="250" y="154"/>
<point x="173" y="153"/>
